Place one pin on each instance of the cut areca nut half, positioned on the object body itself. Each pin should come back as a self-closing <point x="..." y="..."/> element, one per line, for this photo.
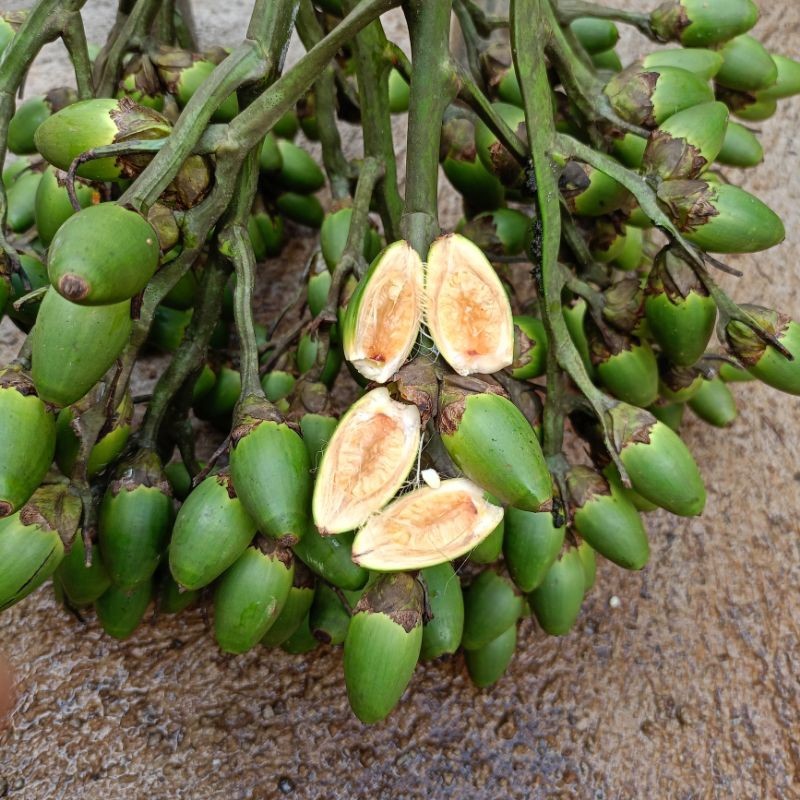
<point x="427" y="527"/>
<point x="382" y="319"/>
<point x="366" y="462"/>
<point x="466" y="308"/>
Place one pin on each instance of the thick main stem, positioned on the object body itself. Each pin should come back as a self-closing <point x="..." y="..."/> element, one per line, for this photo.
<point x="433" y="86"/>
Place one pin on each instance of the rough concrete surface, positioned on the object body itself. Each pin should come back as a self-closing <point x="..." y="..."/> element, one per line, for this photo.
<point x="686" y="688"/>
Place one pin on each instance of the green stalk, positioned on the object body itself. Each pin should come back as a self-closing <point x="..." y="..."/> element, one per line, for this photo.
<point x="74" y="37"/>
<point x="138" y="22"/>
<point x="530" y="29"/>
<point x="569" y="10"/>
<point x="372" y="71"/>
<point x="433" y="86"/>
<point x="190" y="354"/>
<point x="336" y="165"/>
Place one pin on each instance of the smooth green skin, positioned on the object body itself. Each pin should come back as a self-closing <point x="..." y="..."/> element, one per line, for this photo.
<point x="746" y="65"/>
<point x="168" y="328"/>
<point x="287" y="126"/>
<point x="557" y="601"/>
<point x="317" y="293"/>
<point x="611" y="474"/>
<point x="677" y="89"/>
<point x="21" y="199"/>
<point x="306" y="358"/>
<point x="14" y="169"/>
<point x="533" y="328"/>
<point x="589" y="564"/>
<point x="631" y="375"/>
<point x="495" y="446"/>
<point x="211" y="531"/>
<point x="513" y="116"/>
<point x="481" y="190"/>
<point x="112" y="249"/>
<point x="107" y="449"/>
<point x="28" y="436"/>
<point x="29" y="555"/>
<point x="491" y="606"/>
<point x="671" y="414"/>
<point x="682" y="329"/>
<point x="73" y="346"/>
<point x="703" y="63"/>
<point x="631" y="254"/>
<point x="301" y="641"/>
<point x="532" y="543"/>
<point x="788" y="81"/>
<point x="222" y="398"/>
<point x="731" y="374"/>
<point x="299" y="171"/>
<point x="271" y="472"/>
<point x="295" y="610"/>
<point x="715" y="404"/>
<point x="301" y="208"/>
<point x="75" y="129"/>
<point x="399" y="93"/>
<point x="52" y="207"/>
<point x="777" y="371"/>
<point x="743" y="225"/>
<point x="6" y="34"/>
<point x="310" y="127"/>
<point x="22" y="126"/>
<point x="183" y="295"/>
<point x="608" y="60"/>
<point x="171" y="600"/>
<point x="5" y="292"/>
<point x="328" y="618"/>
<point x="488" y="551"/>
<point x="317" y="430"/>
<point x="714" y="22"/>
<point x="278" y="385"/>
<point x="602" y="196"/>
<point x="596" y="35"/>
<point x="249" y="598"/>
<point x="611" y="525"/>
<point x="180" y="480"/>
<point x="333" y="236"/>
<point x="488" y="664"/>
<point x="741" y="147"/>
<point x="762" y="109"/>
<point x="702" y="126"/>
<point x="270" y="159"/>
<point x="574" y="316"/>
<point x="81" y="584"/>
<point x="120" y="612"/>
<point x="271" y="230"/>
<point x="441" y="635"/>
<point x="379" y="660"/>
<point x="190" y="81"/>
<point x="512" y="227"/>
<point x="630" y="150"/>
<point x="329" y="557"/>
<point x="133" y="533"/>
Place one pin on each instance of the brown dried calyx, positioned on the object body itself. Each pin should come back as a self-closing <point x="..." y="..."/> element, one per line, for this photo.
<point x="672" y="157"/>
<point x="630" y="425"/>
<point x="690" y="203"/>
<point x="417" y="383"/>
<point x="453" y="394"/>
<point x="496" y="60"/>
<point x="744" y="342"/>
<point x="143" y="469"/>
<point x="223" y="478"/>
<point x="14" y="378"/>
<point x="631" y="94"/>
<point x="399" y="596"/>
<point x="669" y="20"/>
<point x="676" y="378"/>
<point x="605" y="342"/>
<point x="251" y="412"/>
<point x="144" y="76"/>
<point x="585" y="483"/>
<point x="624" y="303"/>
<point x="54" y="508"/>
<point x="273" y="549"/>
<point x="674" y="276"/>
<point x="458" y="140"/>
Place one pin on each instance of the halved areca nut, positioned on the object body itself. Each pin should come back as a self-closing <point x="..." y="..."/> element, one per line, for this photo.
<point x="466" y="308"/>
<point x="382" y="318"/>
<point x="427" y="527"/>
<point x="367" y="460"/>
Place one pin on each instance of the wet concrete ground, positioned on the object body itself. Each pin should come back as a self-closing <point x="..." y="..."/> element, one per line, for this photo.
<point x="685" y="688"/>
